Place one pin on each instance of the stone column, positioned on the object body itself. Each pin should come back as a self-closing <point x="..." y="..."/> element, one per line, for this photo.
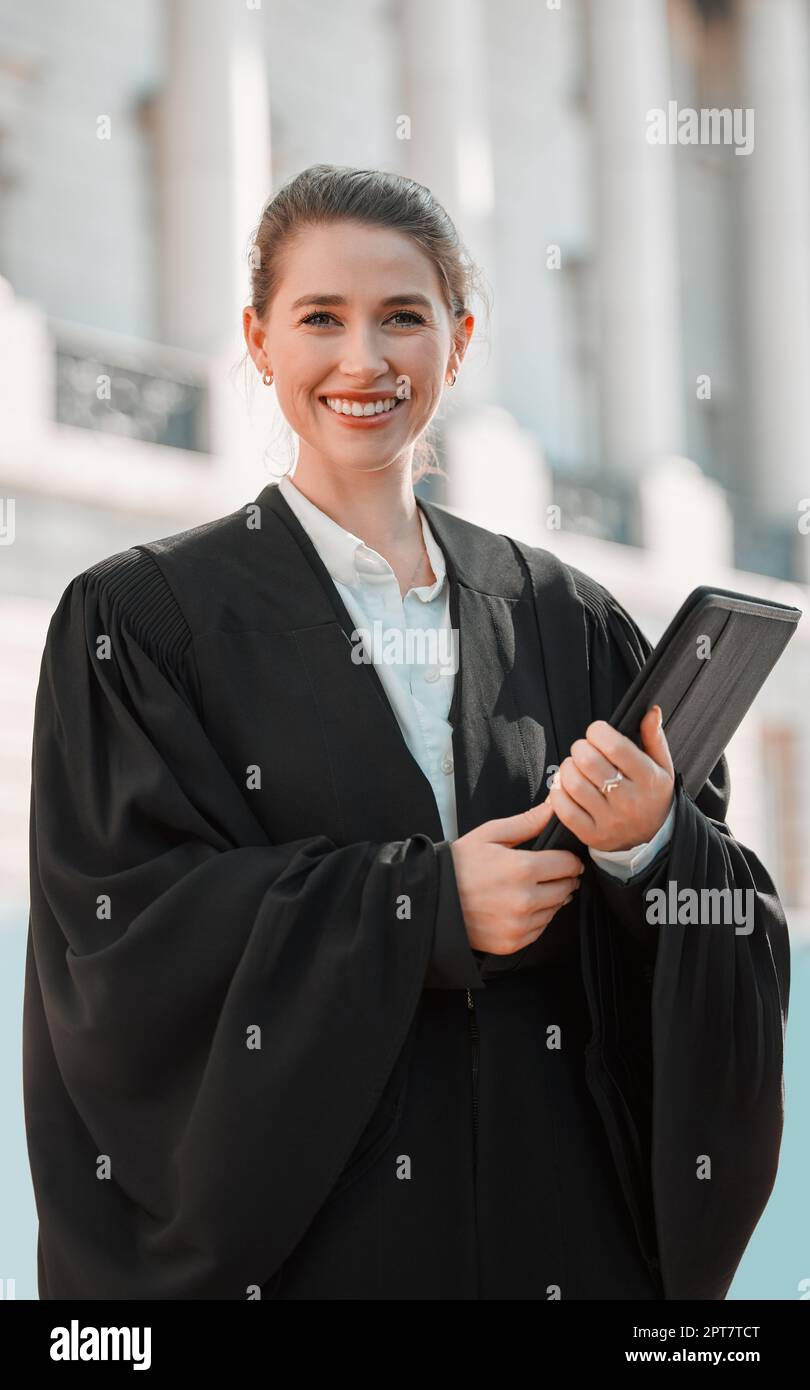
<point x="635" y="242"/>
<point x="214" y="168"/>
<point x="445" y="86"/>
<point x="775" y="227"/>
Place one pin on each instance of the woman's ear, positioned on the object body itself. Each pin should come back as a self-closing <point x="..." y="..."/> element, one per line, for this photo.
<point x="461" y="340"/>
<point x="255" y="337"/>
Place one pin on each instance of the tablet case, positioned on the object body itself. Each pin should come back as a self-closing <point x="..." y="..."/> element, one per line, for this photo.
<point x="705" y="688"/>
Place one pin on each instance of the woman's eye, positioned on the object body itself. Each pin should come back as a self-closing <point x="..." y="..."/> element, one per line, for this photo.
<point x="401" y="313"/>
<point x="408" y="314"/>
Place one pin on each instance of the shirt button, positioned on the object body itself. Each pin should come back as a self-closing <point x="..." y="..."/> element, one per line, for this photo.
<point x="447" y="763"/>
<point x="432" y="673"/>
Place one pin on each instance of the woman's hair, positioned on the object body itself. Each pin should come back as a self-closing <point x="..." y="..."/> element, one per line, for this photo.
<point x="326" y="193"/>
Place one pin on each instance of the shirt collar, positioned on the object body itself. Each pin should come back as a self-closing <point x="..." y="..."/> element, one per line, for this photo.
<point x="348" y="559"/>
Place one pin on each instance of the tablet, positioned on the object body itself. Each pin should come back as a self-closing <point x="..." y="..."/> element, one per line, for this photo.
<point x="705" y="672"/>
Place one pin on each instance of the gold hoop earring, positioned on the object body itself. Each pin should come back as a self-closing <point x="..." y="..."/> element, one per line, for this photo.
<point x="267" y="377"/>
<point x="455" y="377"/>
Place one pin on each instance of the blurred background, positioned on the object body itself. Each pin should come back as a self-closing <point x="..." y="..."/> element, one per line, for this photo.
<point x="633" y="178"/>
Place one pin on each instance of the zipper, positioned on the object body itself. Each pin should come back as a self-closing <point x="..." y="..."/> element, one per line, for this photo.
<point x="474" y="1041"/>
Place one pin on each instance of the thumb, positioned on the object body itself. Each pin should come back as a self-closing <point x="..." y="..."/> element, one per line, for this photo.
<point x="655" y="740"/>
<point x="513" y="830"/>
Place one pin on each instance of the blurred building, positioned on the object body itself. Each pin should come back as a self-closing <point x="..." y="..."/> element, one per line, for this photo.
<point x="644" y="380"/>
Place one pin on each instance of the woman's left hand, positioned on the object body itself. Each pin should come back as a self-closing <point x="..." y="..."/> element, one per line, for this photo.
<point x="630" y="813"/>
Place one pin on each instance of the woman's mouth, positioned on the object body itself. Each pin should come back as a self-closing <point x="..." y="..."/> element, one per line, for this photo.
<point x="360" y="415"/>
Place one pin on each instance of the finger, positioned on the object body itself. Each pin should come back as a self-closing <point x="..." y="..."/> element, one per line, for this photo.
<point x="591" y="763"/>
<point x="543" y="865"/>
<point x="546" y="900"/>
<point x="618" y="749"/>
<point x="534" y="927"/>
<point x="541" y="919"/>
<point x="578" y="821"/>
<point x="554" y="892"/>
<point x="582" y="791"/>
<point x="655" y="740"/>
<point x="513" y="830"/>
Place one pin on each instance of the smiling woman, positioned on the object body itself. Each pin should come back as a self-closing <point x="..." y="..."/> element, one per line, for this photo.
<point x="374" y="309"/>
<point x="266" y="1051"/>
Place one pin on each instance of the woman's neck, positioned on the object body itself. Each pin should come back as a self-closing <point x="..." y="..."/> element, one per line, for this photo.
<point x="378" y="507"/>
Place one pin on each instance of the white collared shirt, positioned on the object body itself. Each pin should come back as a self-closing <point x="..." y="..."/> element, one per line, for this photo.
<point x="420" y="693"/>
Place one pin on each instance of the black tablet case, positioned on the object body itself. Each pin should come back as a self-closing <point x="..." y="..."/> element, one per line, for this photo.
<point x="703" y="698"/>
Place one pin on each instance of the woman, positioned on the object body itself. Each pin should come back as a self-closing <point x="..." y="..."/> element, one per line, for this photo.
<point x="302" y="1018"/>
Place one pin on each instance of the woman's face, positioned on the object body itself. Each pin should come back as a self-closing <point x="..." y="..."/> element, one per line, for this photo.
<point x="358" y="317"/>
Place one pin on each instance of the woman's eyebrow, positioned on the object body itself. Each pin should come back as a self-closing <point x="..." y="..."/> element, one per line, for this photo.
<point x="334" y="299"/>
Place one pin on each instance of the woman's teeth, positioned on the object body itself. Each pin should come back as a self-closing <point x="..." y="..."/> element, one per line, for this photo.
<point x="341" y="407"/>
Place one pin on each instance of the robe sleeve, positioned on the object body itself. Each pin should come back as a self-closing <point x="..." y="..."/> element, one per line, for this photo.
<point x="699" y="1018"/>
<point x="215" y="1026"/>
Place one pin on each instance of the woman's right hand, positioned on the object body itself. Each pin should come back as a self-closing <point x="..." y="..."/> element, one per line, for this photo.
<point x="509" y="896"/>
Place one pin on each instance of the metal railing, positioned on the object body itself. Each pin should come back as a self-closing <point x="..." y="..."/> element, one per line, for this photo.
<point x="129" y="387"/>
<point x="595" y="505"/>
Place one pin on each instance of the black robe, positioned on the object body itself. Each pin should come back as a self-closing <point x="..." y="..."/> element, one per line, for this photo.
<point x="260" y="1058"/>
